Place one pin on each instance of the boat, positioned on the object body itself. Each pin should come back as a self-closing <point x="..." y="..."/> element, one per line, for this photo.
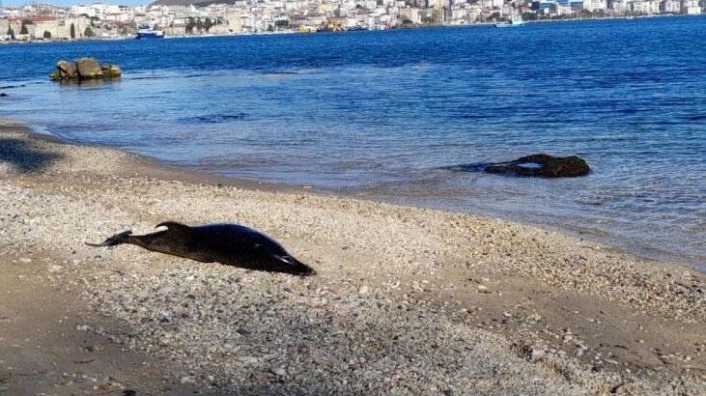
<point x="515" y="20"/>
<point x="146" y="32"/>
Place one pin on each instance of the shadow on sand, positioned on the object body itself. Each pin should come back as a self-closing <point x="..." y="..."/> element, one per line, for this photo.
<point x="26" y="156"/>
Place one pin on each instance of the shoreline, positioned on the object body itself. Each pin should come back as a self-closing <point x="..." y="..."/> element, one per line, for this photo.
<point x="493" y="303"/>
<point x="621" y="244"/>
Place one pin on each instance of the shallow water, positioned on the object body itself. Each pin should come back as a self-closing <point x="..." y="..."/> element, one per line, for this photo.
<point x="376" y="114"/>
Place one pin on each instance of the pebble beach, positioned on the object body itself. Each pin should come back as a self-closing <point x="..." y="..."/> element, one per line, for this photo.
<point x="406" y="300"/>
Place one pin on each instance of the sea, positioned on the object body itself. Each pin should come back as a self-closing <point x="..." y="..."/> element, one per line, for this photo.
<point x="381" y="115"/>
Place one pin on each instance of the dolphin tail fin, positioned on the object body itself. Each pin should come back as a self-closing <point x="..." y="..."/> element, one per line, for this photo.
<point x="116" y="239"/>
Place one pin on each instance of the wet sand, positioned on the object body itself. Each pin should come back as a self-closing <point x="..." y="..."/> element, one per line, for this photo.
<point x="406" y="300"/>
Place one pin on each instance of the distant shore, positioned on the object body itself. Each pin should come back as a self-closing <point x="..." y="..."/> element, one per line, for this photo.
<point x="407" y="300"/>
<point x="401" y="27"/>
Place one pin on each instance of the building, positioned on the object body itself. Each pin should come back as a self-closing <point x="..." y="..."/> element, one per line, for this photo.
<point x="410" y="14"/>
<point x="691" y="7"/>
<point x="619" y="7"/>
<point x="595" y="5"/>
<point x="39" y="27"/>
<point x="670" y="7"/>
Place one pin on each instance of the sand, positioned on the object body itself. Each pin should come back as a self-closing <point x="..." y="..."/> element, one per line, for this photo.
<point x="406" y="300"/>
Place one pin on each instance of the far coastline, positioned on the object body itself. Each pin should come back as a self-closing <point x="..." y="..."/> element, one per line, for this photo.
<point x="335" y="26"/>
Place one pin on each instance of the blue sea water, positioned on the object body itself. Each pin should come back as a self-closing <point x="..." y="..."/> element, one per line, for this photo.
<point x="377" y="114"/>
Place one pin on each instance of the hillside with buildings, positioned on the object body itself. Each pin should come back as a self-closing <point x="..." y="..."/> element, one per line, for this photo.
<point x="216" y="17"/>
<point x="196" y="3"/>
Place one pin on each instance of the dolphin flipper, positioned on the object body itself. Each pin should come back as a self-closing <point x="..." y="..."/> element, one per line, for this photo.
<point x="114" y="240"/>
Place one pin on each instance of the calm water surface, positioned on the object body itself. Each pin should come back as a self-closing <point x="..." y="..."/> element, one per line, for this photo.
<point x="375" y="114"/>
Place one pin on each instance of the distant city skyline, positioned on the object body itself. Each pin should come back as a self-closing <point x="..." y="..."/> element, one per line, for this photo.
<point x="67" y="3"/>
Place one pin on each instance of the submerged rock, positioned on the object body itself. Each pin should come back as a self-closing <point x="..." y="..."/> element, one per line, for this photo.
<point x="84" y="69"/>
<point x="538" y="165"/>
<point x="111" y="71"/>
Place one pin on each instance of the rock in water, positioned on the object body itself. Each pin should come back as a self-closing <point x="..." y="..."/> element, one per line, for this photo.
<point x="111" y="71"/>
<point x="89" y="68"/>
<point x="67" y="70"/>
<point x="84" y="69"/>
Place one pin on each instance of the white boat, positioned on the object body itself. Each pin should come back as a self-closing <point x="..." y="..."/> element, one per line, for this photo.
<point x="145" y="32"/>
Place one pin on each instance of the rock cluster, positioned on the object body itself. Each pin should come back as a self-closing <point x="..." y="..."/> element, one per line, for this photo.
<point x="84" y="69"/>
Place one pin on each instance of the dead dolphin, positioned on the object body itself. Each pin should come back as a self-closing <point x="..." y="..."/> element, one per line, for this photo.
<point x="229" y="244"/>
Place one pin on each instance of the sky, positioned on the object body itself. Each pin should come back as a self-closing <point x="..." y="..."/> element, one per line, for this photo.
<point x="65" y="3"/>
